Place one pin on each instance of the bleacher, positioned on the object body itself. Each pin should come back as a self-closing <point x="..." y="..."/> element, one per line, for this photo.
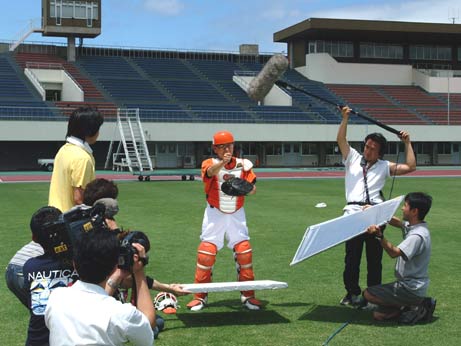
<point x="17" y="99"/>
<point x="375" y="102"/>
<point x="326" y="112"/>
<point x="92" y="96"/>
<point x="194" y="90"/>
<point x="410" y="96"/>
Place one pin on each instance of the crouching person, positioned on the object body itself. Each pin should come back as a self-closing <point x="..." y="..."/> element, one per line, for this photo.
<point x="405" y="299"/>
<point x="85" y="314"/>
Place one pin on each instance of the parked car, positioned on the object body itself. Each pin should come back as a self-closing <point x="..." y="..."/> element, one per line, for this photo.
<point x="46" y="164"/>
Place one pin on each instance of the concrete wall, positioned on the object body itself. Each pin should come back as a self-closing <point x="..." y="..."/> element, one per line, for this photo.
<point x="434" y="84"/>
<point x="323" y="68"/>
<point x="70" y="91"/>
<point x="202" y="132"/>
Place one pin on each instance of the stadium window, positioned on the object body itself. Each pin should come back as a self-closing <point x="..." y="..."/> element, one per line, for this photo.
<point x="444" y="148"/>
<point x="67" y="9"/>
<point x="421" y="52"/>
<point x="273" y="149"/>
<point x="74" y="9"/>
<point x="422" y="148"/>
<point x="309" y="148"/>
<point x="391" y="148"/>
<point x="80" y="11"/>
<point x="380" y="51"/>
<point x="247" y="148"/>
<point x="334" y="48"/>
<point x="331" y="149"/>
<point x="459" y="53"/>
<point x="162" y="148"/>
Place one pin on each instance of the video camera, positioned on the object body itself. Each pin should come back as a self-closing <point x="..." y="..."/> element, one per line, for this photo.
<point x="62" y="234"/>
<point x="127" y="250"/>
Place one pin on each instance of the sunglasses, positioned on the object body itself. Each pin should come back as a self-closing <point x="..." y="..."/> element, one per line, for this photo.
<point x="224" y="146"/>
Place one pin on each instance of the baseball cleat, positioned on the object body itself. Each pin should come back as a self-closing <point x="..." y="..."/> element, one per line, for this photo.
<point x="251" y="303"/>
<point x="197" y="304"/>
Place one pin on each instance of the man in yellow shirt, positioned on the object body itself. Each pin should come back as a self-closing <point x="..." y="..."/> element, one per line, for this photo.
<point x="74" y="164"/>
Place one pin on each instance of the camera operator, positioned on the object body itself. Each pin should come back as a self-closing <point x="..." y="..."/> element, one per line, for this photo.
<point x="43" y="274"/>
<point x="85" y="314"/>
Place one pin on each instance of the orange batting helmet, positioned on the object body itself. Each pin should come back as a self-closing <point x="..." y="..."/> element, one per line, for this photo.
<point x="223" y="137"/>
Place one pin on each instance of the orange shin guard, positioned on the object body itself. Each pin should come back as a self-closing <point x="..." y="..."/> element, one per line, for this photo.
<point x="206" y="257"/>
<point x="244" y="262"/>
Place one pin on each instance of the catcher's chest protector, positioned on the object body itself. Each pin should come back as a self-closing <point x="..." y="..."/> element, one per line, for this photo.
<point x="226" y="203"/>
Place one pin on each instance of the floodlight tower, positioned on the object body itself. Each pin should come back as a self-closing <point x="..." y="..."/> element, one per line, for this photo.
<point x="71" y="19"/>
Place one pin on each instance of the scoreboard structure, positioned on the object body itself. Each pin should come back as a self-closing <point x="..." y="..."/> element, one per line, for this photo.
<point x="71" y="19"/>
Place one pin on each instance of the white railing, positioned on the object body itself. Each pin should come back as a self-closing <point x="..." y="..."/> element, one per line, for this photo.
<point x="21" y="36"/>
<point x="36" y="82"/>
<point x="156" y="115"/>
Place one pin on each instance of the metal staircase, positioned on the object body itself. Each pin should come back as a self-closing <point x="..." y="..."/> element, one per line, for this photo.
<point x="135" y="155"/>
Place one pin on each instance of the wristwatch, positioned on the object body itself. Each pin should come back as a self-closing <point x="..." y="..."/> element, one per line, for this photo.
<point x="379" y="236"/>
<point x="113" y="284"/>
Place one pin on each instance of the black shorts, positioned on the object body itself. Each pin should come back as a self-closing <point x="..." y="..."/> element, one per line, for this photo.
<point x="396" y="294"/>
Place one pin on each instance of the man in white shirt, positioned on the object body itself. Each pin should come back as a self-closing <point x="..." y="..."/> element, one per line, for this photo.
<point x="85" y="314"/>
<point x="365" y="176"/>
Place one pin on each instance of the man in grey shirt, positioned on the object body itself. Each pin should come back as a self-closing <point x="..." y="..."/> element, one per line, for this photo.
<point x="406" y="297"/>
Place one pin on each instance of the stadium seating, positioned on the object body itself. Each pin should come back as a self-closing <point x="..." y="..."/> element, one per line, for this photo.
<point x="378" y="102"/>
<point x="200" y="90"/>
<point x="92" y="96"/>
<point x="17" y="98"/>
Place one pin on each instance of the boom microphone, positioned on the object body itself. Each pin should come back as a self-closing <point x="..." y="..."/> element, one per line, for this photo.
<point x="261" y="85"/>
<point x="268" y="77"/>
<point x="289" y="86"/>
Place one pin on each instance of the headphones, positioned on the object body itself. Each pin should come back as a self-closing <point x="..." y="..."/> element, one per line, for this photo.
<point x="380" y="139"/>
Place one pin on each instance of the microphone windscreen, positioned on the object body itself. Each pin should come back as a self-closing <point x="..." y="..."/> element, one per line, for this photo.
<point x="261" y="85"/>
<point x="111" y="206"/>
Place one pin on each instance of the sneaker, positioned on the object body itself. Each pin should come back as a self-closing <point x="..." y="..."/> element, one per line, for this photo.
<point x="429" y="304"/>
<point x="369" y="307"/>
<point x="251" y="303"/>
<point x="197" y="304"/>
<point x="353" y="300"/>
<point x="412" y="314"/>
<point x="346" y="300"/>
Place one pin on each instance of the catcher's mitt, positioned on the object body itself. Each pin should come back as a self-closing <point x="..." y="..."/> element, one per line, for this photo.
<point x="236" y="187"/>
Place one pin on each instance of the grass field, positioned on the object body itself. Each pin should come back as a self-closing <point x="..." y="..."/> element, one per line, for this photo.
<point x="306" y="313"/>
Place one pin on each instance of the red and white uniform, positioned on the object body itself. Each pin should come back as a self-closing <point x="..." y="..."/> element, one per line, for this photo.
<point x="224" y="216"/>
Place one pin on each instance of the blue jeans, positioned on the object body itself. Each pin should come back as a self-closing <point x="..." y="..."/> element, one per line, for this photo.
<point x="15" y="282"/>
<point x="160" y="324"/>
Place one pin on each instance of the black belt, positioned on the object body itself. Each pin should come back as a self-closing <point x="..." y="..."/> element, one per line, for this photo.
<point x="360" y="203"/>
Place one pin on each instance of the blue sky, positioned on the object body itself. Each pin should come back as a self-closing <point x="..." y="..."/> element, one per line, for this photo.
<point x="221" y="25"/>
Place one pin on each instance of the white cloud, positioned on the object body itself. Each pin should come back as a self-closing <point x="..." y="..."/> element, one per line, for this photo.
<point x="415" y="10"/>
<point x="165" y="7"/>
<point x="279" y="13"/>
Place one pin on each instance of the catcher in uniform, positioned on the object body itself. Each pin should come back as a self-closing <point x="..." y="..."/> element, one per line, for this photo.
<point x="227" y="179"/>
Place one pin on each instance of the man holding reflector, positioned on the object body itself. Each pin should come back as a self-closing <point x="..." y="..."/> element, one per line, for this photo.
<point x="364" y="181"/>
<point x="406" y="297"/>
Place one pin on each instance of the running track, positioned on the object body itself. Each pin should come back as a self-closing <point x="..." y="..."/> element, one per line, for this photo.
<point x="21" y="177"/>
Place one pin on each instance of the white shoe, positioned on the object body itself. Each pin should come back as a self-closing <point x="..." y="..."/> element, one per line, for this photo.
<point x="197" y="304"/>
<point x="251" y="303"/>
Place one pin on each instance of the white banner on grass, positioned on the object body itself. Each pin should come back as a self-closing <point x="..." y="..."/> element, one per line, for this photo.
<point x="234" y="286"/>
<point x="325" y="235"/>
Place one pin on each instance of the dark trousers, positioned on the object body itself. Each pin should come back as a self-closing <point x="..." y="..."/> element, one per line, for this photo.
<point x="374" y="252"/>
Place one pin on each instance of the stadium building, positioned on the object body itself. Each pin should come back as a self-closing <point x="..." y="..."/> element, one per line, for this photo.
<point x="406" y="75"/>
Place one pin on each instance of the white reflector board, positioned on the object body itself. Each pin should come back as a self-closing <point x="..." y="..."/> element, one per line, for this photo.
<point x="325" y="235"/>
<point x="234" y="286"/>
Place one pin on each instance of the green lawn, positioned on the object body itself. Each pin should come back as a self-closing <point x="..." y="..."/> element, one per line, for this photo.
<point x="306" y="313"/>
